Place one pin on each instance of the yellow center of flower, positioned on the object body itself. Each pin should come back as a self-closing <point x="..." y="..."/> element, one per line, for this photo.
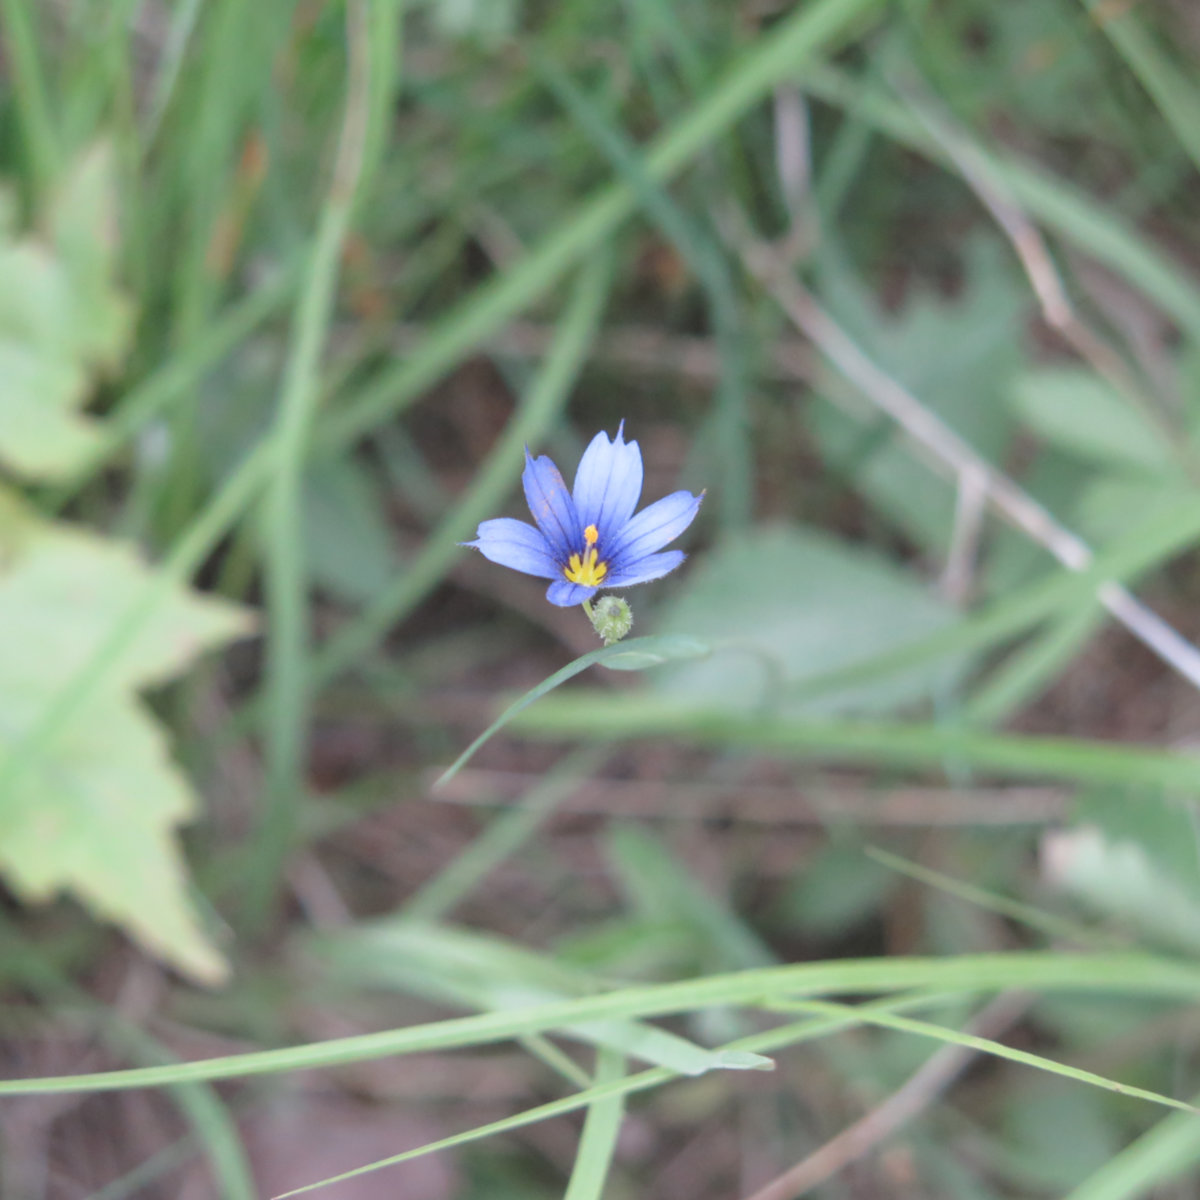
<point x="585" y="569"/>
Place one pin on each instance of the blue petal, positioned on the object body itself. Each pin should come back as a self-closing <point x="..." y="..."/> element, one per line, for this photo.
<point x="655" y="526"/>
<point x="515" y="544"/>
<point x="552" y="507"/>
<point x="653" y="566"/>
<point x="608" y="483"/>
<point x="564" y="593"/>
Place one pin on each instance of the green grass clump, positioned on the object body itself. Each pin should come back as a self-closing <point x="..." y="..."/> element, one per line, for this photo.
<point x="890" y="803"/>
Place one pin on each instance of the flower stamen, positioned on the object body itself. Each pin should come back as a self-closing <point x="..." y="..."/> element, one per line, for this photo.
<point x="586" y="570"/>
<point x="591" y="535"/>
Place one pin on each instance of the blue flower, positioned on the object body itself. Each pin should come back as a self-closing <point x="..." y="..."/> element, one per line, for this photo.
<point x="589" y="538"/>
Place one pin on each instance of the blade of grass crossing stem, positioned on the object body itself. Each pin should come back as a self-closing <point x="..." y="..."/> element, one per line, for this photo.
<point x="559" y="1061"/>
<point x="784" y="1036"/>
<point x="772" y="1040"/>
<point x="780" y="54"/>
<point x="1049" y="200"/>
<point x="927" y="747"/>
<point x="39" y="135"/>
<point x="1113" y="974"/>
<point x="970" y="1041"/>
<point x="653" y="651"/>
<point x="1156" y="1159"/>
<point x="287" y="681"/>
<point x="503" y="837"/>
<point x="1170" y="89"/>
<point x="534" y="418"/>
<point x="704" y="256"/>
<point x="598" y="1144"/>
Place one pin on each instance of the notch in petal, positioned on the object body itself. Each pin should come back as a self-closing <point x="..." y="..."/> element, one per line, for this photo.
<point x="653" y="566"/>
<point x="551" y="505"/>
<point x="608" y="483"/>
<point x="655" y="526"/>
<point x="517" y="545"/>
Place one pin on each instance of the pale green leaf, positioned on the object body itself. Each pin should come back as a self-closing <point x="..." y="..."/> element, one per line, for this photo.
<point x="98" y="820"/>
<point x="96" y="815"/>
<point x="786" y="604"/>
<point x="1081" y="414"/>
<point x="62" y="321"/>
<point x="61" y="591"/>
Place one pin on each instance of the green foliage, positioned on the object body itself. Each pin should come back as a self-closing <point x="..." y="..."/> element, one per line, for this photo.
<point x="744" y="599"/>
<point x="1084" y="416"/>
<point x="98" y="815"/>
<point x="531" y="221"/>
<point x="62" y="321"/>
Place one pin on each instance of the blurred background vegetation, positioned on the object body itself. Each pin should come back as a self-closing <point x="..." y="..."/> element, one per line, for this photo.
<point x="913" y="289"/>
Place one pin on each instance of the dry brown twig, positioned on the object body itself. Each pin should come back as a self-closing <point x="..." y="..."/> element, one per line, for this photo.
<point x="945" y="448"/>
<point x="773" y="805"/>
<point x="921" y="1090"/>
<point x="1031" y="250"/>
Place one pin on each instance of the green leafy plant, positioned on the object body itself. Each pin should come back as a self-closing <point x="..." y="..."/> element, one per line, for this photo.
<point x="96" y="813"/>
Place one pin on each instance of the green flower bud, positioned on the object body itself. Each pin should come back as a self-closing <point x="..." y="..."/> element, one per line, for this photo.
<point x="611" y="618"/>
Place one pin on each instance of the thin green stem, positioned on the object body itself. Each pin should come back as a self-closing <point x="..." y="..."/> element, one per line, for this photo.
<point x="287" y="671"/>
<point x="38" y="132"/>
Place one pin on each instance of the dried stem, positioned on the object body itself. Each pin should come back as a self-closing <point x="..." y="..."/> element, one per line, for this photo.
<point x="921" y="1090"/>
<point x="949" y="451"/>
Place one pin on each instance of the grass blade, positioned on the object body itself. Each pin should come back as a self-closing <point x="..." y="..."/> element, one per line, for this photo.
<point x="641" y="652"/>
<point x="599" y="1141"/>
<point x="1117" y="974"/>
<point x="926" y="747"/>
<point x="287" y="673"/>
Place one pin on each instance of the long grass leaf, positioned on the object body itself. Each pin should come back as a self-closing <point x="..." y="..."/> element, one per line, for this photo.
<point x="1116" y="974"/>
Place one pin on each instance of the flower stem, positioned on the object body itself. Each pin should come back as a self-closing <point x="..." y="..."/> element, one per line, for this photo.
<point x="587" y="608"/>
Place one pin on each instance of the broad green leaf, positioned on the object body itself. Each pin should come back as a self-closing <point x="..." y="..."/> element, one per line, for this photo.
<point x="97" y="816"/>
<point x="1112" y="504"/>
<point x="1081" y="414"/>
<point x="785" y="604"/>
<point x="62" y="321"/>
